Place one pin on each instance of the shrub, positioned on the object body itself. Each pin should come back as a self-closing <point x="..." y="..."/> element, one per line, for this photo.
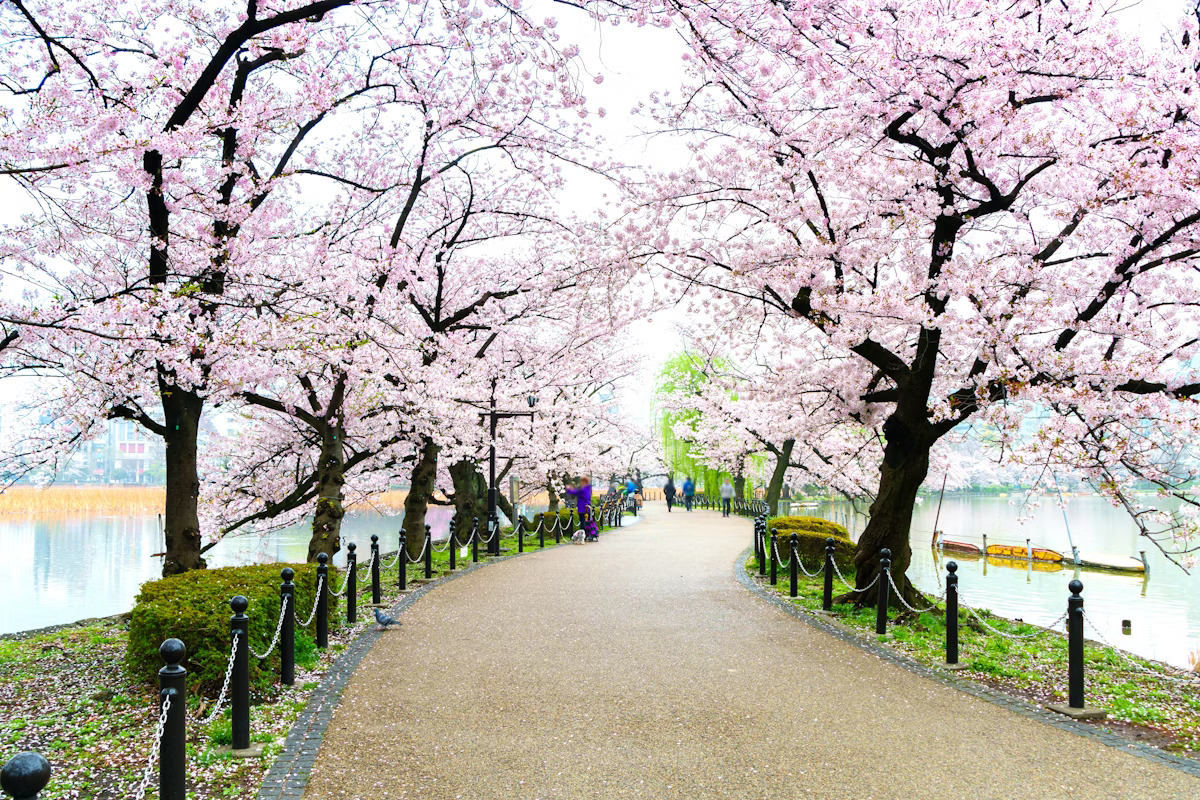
<point x="194" y="608"/>
<point x="811" y="534"/>
<point x="565" y="515"/>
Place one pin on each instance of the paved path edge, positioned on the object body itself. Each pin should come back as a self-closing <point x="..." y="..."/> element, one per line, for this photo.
<point x="1009" y="702"/>
<point x="287" y="778"/>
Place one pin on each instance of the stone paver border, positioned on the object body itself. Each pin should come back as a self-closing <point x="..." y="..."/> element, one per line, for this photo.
<point x="946" y="678"/>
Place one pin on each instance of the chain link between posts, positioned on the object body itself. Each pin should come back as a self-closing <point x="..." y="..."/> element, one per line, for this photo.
<point x="846" y="583"/>
<point x="148" y="772"/>
<point x="900" y="597"/>
<point x="278" y="628"/>
<point x="316" y="602"/>
<point x="409" y="559"/>
<point x="1018" y="636"/>
<point x="225" y="686"/>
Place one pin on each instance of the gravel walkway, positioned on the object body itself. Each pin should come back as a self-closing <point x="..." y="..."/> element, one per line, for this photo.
<point x="638" y="667"/>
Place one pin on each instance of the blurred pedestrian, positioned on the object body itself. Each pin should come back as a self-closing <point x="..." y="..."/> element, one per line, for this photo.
<point x="726" y="497"/>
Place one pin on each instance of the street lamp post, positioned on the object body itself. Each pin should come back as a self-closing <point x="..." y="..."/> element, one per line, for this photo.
<point x="493" y="492"/>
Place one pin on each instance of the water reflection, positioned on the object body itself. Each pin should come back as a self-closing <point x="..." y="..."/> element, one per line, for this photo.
<point x="1163" y="605"/>
<point x="61" y="569"/>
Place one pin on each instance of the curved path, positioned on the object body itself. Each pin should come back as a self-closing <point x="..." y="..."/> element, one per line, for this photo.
<point x="639" y="667"/>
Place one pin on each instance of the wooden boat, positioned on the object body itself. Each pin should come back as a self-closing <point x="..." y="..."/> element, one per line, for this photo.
<point x="1016" y="551"/>
<point x="1024" y="563"/>
<point x="960" y="547"/>
<point x="1109" y="561"/>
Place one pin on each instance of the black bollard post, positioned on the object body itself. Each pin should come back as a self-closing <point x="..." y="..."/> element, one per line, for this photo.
<point x="795" y="565"/>
<point x="827" y="597"/>
<point x="951" y="613"/>
<point x="172" y="755"/>
<point x="1075" y="645"/>
<point x="375" y="587"/>
<point x="428" y="553"/>
<point x="287" y="634"/>
<point x="885" y="568"/>
<point x="762" y="546"/>
<point x="402" y="563"/>
<point x="475" y="541"/>
<point x="452" y="547"/>
<point x="757" y="545"/>
<point x="774" y="549"/>
<point x="322" y="600"/>
<point x="519" y="531"/>
<point x="239" y="627"/>
<point x="542" y="533"/>
<point x="24" y="775"/>
<point x="351" y="583"/>
<point x="557" y="528"/>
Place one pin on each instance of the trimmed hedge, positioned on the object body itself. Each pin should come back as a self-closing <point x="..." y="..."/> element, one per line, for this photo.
<point x="547" y="517"/>
<point x="194" y="608"/>
<point x="813" y="524"/>
<point x="811" y="534"/>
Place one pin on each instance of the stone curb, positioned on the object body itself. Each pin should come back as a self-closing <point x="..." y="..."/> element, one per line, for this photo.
<point x="993" y="696"/>
<point x="287" y="778"/>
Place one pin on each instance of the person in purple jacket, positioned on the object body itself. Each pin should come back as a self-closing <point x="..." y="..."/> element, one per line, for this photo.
<point x="583" y="501"/>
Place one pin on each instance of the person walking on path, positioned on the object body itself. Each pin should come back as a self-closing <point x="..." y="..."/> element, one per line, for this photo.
<point x="689" y="492"/>
<point x="726" y="497"/>
<point x="669" y="493"/>
<point x="583" y="502"/>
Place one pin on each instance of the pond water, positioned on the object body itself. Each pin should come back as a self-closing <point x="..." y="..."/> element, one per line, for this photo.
<point x="61" y="568"/>
<point x="1163" y="606"/>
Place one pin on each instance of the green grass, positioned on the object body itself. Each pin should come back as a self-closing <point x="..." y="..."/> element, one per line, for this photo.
<point x="1032" y="668"/>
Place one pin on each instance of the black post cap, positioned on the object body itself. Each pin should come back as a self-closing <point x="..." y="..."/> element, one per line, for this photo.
<point x="172" y="651"/>
<point x="287" y="573"/>
<point x="322" y="559"/>
<point x="374" y="538"/>
<point x="951" y="567"/>
<point x="1076" y="586"/>
<point x="25" y="775"/>
<point x="239" y="604"/>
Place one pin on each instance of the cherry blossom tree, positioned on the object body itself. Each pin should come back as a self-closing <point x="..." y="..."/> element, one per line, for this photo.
<point x="963" y="211"/>
<point x="198" y="175"/>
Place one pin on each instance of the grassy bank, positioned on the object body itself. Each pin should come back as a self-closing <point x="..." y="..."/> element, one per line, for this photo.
<point x="65" y="694"/>
<point x="1145" y="700"/>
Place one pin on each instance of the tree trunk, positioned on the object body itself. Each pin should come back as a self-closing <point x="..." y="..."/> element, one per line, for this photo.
<point x="775" y="486"/>
<point x="181" y="413"/>
<point x="467" y="504"/>
<point x="553" y="498"/>
<point x="327" y="520"/>
<point x="905" y="466"/>
<point x="424" y="479"/>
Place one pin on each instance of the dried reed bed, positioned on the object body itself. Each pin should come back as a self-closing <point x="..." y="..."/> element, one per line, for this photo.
<point x="129" y="500"/>
<point x="392" y="500"/>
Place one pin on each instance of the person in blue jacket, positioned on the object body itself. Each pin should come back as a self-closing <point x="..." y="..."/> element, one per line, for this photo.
<point x="689" y="492"/>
